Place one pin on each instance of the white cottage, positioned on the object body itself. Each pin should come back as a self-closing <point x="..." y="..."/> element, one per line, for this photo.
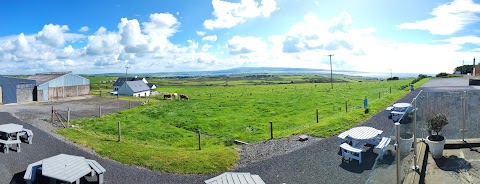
<point x="134" y="88"/>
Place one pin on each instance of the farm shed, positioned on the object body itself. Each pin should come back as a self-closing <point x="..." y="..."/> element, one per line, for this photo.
<point x="57" y="85"/>
<point x="14" y="90"/>
<point x="134" y="88"/>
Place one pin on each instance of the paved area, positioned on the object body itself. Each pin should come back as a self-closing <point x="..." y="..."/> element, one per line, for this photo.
<point x="456" y="166"/>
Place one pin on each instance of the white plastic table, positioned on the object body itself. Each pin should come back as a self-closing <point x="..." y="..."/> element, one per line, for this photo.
<point x="11" y="128"/>
<point x="363" y="134"/>
<point x="67" y="168"/>
<point x="402" y="107"/>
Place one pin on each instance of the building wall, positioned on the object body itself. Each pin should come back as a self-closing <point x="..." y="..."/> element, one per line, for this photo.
<point x="1" y="102"/>
<point x="24" y="95"/>
<point x="68" y="85"/>
<point x="68" y="91"/>
<point x="40" y="95"/>
<point x="141" y="94"/>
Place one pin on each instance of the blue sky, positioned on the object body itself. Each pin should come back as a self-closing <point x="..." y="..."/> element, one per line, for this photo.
<point x="197" y="35"/>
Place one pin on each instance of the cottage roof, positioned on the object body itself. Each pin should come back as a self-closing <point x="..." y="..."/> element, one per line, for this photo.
<point x="137" y="86"/>
<point x="121" y="80"/>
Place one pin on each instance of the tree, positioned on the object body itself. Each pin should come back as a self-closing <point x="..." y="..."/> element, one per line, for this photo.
<point x="464" y="69"/>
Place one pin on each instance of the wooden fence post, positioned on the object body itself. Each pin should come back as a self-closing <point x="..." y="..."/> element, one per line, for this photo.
<point x="119" y="132"/>
<point x="99" y="111"/>
<point x="129" y="104"/>
<point x="52" y="115"/>
<point x="317" y="115"/>
<point x="390" y="89"/>
<point x="271" y="130"/>
<point x="379" y="94"/>
<point x="346" y="106"/>
<point x="199" y="140"/>
<point x="68" y="117"/>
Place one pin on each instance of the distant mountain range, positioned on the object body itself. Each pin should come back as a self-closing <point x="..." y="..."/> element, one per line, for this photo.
<point x="262" y="70"/>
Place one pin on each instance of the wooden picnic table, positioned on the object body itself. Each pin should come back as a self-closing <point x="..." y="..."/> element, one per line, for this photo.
<point x="67" y="168"/>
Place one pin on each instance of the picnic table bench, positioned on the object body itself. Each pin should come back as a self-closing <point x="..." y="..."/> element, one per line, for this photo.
<point x="27" y="135"/>
<point x="8" y="143"/>
<point x="351" y="152"/>
<point x="96" y="168"/>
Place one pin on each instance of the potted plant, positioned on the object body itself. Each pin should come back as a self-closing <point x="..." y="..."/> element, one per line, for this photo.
<point x="436" y="142"/>
<point x="406" y="132"/>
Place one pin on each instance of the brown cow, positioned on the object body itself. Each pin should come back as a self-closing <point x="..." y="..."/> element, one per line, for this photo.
<point x="167" y="96"/>
<point x="183" y="97"/>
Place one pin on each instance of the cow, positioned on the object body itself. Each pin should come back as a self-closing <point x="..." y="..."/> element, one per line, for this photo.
<point x="183" y="97"/>
<point x="175" y="95"/>
<point x="167" y="96"/>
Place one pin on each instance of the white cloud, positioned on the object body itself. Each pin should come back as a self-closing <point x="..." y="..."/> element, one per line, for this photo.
<point x="52" y="35"/>
<point x="464" y="40"/>
<point x="103" y="43"/>
<point x="205" y="47"/>
<point x="228" y="14"/>
<point x="448" y="18"/>
<point x="244" y="45"/>
<point x="201" y="33"/>
<point x="83" y="29"/>
<point x="164" y="24"/>
<point x="210" y="38"/>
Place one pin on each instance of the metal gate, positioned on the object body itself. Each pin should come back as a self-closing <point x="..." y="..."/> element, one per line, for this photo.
<point x="9" y="93"/>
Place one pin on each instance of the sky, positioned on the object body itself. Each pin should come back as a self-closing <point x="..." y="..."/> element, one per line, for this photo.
<point x="91" y="36"/>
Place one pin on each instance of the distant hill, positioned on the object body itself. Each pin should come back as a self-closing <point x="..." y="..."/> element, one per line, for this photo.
<point x="260" y="70"/>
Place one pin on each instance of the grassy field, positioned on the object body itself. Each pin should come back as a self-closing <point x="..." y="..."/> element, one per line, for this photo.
<point x="163" y="135"/>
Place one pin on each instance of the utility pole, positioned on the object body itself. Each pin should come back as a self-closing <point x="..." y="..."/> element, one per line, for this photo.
<point x="331" y="72"/>
<point x="125" y="83"/>
<point x="463" y="67"/>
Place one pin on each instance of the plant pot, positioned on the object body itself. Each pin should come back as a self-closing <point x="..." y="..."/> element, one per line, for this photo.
<point x="436" y="147"/>
<point x="405" y="145"/>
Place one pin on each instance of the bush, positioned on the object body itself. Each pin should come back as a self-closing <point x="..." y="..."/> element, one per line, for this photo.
<point x="443" y="74"/>
<point x="393" y="78"/>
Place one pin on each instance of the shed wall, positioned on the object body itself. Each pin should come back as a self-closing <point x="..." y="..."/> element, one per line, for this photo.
<point x="68" y="85"/>
<point x="24" y="95"/>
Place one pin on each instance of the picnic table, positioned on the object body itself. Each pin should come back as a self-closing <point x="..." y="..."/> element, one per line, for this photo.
<point x="397" y="110"/>
<point x="6" y="131"/>
<point x="9" y="129"/>
<point x="364" y="134"/>
<point x="66" y="168"/>
<point x="358" y="136"/>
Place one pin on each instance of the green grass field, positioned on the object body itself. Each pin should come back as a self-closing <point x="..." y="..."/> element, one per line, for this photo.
<point x="162" y="135"/>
